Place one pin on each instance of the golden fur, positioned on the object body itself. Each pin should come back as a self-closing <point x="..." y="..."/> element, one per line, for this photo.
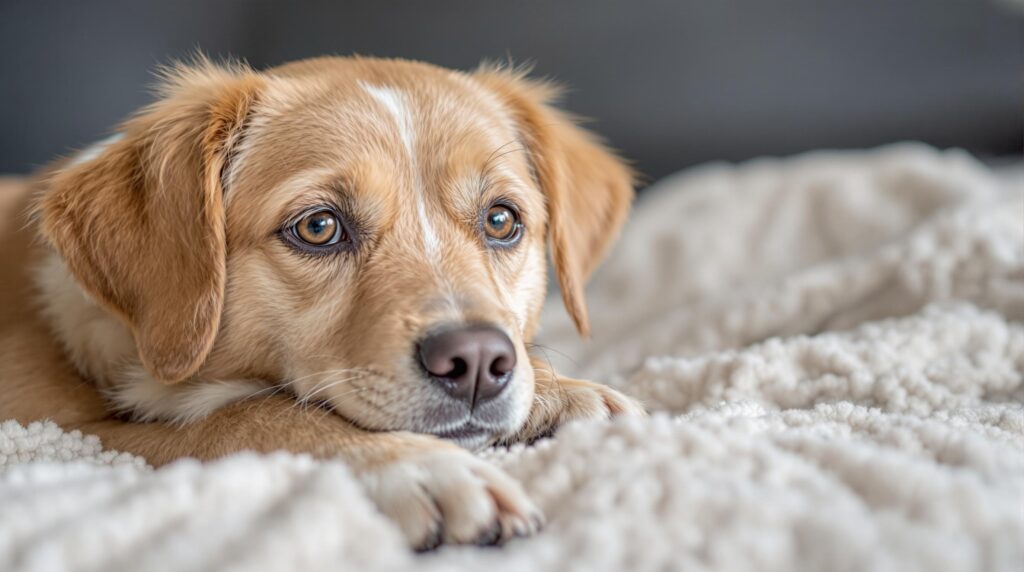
<point x="163" y="312"/>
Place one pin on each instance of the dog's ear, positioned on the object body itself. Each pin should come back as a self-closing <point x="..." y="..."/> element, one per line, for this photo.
<point x="587" y="188"/>
<point x="141" y="225"/>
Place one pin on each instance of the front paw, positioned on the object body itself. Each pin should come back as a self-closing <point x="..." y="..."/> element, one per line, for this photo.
<point x="563" y="400"/>
<point x="588" y="400"/>
<point x="450" y="496"/>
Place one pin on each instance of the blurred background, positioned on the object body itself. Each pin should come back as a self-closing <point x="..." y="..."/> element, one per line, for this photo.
<point x="669" y="83"/>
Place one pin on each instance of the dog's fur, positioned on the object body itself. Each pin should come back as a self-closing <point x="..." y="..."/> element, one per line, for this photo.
<point x="163" y="311"/>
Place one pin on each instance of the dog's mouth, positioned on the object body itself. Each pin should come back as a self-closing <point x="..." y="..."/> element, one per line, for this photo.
<point x="467" y="435"/>
<point x="471" y="430"/>
<point x="464" y="431"/>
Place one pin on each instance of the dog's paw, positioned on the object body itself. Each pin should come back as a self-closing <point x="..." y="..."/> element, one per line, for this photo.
<point x="588" y="400"/>
<point x="558" y="403"/>
<point x="450" y="496"/>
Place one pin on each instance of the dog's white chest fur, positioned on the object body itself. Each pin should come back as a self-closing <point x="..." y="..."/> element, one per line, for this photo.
<point x="104" y="351"/>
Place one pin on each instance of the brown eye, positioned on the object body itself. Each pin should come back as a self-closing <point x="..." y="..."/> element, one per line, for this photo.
<point x="321" y="228"/>
<point x="501" y="224"/>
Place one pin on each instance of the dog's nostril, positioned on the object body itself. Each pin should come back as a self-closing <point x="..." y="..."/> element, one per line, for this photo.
<point x="472" y="363"/>
<point x="503" y="365"/>
<point x="459" y="368"/>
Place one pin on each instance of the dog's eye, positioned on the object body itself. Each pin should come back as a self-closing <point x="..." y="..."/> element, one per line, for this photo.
<point x="501" y="224"/>
<point x="320" y="228"/>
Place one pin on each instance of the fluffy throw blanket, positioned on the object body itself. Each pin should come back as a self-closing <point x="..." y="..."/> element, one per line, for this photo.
<point x="833" y="344"/>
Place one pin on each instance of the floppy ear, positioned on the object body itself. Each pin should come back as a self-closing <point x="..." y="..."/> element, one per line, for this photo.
<point x="587" y="188"/>
<point x="141" y="225"/>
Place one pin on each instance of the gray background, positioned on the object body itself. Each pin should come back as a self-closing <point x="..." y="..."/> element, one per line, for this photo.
<point x="668" y="83"/>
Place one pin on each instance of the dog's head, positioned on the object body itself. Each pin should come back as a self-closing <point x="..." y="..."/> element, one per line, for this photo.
<point x="371" y="233"/>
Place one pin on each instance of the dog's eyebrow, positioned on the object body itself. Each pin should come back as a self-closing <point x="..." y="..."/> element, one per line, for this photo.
<point x="316" y="186"/>
<point x="490" y="165"/>
<point x="338" y="190"/>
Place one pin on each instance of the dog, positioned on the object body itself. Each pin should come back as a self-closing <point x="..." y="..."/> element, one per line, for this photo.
<point x="343" y="257"/>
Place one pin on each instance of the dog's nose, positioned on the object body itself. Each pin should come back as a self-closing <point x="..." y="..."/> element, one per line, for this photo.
<point x="472" y="363"/>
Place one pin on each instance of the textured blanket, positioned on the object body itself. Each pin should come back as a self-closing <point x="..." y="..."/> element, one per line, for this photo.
<point x="833" y="344"/>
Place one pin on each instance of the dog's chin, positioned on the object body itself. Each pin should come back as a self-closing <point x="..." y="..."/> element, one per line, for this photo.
<point x="468" y="435"/>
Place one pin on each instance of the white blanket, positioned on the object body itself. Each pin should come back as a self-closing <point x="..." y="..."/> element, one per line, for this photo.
<point x="835" y="342"/>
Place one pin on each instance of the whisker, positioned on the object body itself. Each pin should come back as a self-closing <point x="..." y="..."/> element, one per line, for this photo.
<point x="289" y="384"/>
<point x="492" y="158"/>
<point x="494" y="154"/>
<point x="324" y="387"/>
<point x="549" y="348"/>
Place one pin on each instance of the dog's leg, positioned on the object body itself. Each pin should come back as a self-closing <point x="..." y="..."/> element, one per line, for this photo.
<point x="433" y="489"/>
<point x="559" y="400"/>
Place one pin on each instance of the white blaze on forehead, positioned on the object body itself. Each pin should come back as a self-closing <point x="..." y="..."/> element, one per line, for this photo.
<point x="394" y="102"/>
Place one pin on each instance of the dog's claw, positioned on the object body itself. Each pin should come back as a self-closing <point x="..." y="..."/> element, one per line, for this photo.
<point x="431" y="541"/>
<point x="491" y="536"/>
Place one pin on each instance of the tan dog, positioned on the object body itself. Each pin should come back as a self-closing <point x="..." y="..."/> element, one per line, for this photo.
<point x="343" y="257"/>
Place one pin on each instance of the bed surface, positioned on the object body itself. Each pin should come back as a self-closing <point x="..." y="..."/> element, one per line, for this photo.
<point x="834" y="349"/>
